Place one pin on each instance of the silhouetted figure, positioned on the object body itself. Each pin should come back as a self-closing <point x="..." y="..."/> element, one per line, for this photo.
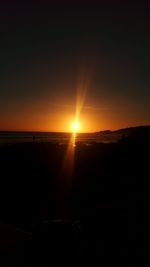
<point x="33" y="138"/>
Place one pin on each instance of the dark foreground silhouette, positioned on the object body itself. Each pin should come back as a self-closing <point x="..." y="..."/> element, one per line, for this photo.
<point x="96" y="214"/>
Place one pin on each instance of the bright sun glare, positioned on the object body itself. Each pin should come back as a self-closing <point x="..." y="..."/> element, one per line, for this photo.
<point x="75" y="126"/>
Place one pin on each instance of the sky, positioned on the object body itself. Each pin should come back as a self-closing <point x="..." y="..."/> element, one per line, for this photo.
<point x="58" y="59"/>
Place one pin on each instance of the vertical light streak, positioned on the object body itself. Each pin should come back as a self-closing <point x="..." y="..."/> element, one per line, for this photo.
<point x="65" y="180"/>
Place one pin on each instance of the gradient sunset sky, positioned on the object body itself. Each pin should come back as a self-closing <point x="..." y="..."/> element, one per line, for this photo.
<point x="54" y="56"/>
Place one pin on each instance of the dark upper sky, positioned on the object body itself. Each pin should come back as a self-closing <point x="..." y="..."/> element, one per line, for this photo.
<point x="49" y="52"/>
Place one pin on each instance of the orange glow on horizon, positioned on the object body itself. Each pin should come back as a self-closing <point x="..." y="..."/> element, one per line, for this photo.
<point x="62" y="121"/>
<point x="58" y="116"/>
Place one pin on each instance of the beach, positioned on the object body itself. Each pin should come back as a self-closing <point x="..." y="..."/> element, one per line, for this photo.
<point x="85" y="193"/>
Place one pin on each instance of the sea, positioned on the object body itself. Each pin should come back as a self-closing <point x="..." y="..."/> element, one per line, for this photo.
<point x="8" y="138"/>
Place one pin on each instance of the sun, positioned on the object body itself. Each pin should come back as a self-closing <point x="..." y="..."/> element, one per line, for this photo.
<point x="75" y="126"/>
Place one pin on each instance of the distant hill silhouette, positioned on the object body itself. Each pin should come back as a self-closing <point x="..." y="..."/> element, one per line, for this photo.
<point x="133" y="134"/>
<point x="127" y="131"/>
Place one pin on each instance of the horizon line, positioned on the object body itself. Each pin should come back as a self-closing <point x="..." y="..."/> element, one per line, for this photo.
<point x="39" y="131"/>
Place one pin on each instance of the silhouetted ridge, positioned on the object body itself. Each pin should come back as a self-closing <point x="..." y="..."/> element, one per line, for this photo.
<point x="126" y="132"/>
